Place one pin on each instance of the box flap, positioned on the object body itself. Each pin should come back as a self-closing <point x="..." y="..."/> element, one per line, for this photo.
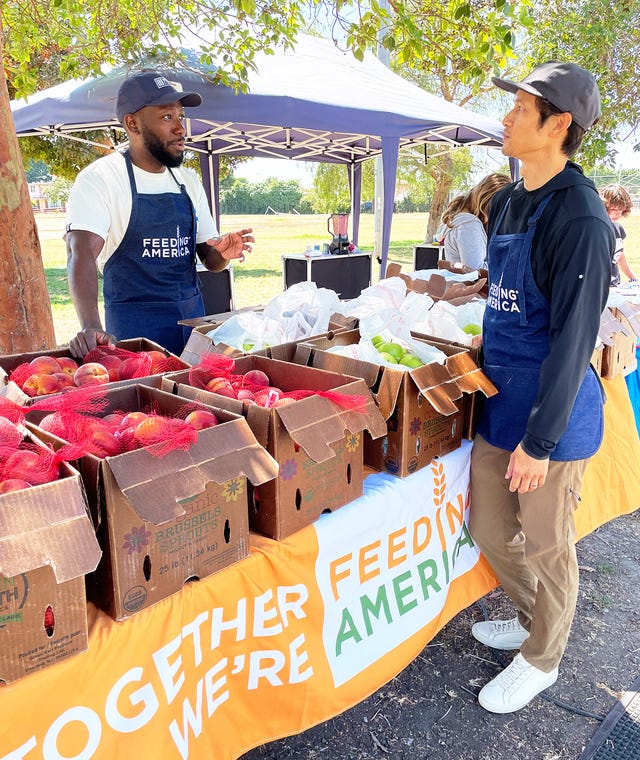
<point x="388" y="390"/>
<point x="632" y="313"/>
<point x="610" y="326"/>
<point x="155" y="485"/>
<point x="438" y="287"/>
<point x="442" y="384"/>
<point x="47" y="525"/>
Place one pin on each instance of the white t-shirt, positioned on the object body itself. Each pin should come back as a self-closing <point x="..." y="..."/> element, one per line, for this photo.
<point x="100" y="200"/>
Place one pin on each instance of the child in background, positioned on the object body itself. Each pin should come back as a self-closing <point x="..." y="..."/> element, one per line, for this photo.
<point x="618" y="204"/>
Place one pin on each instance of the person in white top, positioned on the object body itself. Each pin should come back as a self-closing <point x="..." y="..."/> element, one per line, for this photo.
<point x="141" y="219"/>
<point x="464" y="223"/>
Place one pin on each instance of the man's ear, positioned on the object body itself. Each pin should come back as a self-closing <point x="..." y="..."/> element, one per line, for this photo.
<point x="131" y="124"/>
<point x="562" y="122"/>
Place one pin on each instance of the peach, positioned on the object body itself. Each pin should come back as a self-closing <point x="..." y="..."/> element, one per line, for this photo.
<point x="284" y="401"/>
<point x="10" y="436"/>
<point x="91" y="373"/>
<point x="244" y="394"/>
<point x="201" y="419"/>
<point x="157" y="428"/>
<point x="13" y="484"/>
<point x="64" y="379"/>
<point x="67" y="365"/>
<point x="40" y="384"/>
<point x="23" y="464"/>
<point x="255" y="377"/>
<point x="112" y="364"/>
<point x="103" y="441"/>
<point x="53" y="424"/>
<point x="45" y="365"/>
<point x="113" y="420"/>
<point x="221" y="386"/>
<point x="158" y="362"/>
<point x="131" y="419"/>
<point x="131" y="367"/>
<point x="126" y="438"/>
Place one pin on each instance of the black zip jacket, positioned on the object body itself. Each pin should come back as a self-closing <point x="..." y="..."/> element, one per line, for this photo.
<point x="571" y="264"/>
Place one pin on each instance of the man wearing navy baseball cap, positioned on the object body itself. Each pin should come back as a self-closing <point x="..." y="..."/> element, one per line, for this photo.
<point x="140" y="218"/>
<point x="549" y="261"/>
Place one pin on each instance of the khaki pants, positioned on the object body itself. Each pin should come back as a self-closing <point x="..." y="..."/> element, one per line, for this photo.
<point x="529" y="541"/>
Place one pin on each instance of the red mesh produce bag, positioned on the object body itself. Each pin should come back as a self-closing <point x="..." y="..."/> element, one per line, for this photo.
<point x="11" y="411"/>
<point x="33" y="464"/>
<point x="212" y="366"/>
<point x="349" y="402"/>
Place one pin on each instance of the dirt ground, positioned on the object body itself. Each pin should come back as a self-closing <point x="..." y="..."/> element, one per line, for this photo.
<point x="430" y="711"/>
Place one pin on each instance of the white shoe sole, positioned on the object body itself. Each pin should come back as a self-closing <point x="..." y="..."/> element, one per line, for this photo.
<point x="502" y="708"/>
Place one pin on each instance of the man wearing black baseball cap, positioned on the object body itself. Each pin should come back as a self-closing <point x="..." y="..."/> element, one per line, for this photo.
<point x="140" y="218"/>
<point x="549" y="255"/>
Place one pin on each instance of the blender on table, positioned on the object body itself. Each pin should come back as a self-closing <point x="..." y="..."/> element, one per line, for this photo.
<point x="337" y="225"/>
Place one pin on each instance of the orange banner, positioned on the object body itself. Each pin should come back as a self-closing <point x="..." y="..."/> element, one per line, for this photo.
<point x="296" y="633"/>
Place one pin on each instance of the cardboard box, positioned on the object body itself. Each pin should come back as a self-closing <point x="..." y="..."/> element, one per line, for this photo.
<point x="200" y="344"/>
<point x="169" y="519"/>
<point x="619" y="338"/>
<point x="47" y="545"/>
<point x="438" y="288"/>
<point x="473" y="401"/>
<point x="424" y="408"/>
<point x="10" y="361"/>
<point x="317" y="443"/>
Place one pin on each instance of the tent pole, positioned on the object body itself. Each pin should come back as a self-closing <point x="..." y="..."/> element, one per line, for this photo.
<point x="390" y="146"/>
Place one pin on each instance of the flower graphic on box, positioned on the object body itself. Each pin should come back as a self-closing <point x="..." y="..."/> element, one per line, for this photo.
<point x="288" y="469"/>
<point x="135" y="541"/>
<point x="353" y="441"/>
<point x="233" y="489"/>
<point x="414" y="426"/>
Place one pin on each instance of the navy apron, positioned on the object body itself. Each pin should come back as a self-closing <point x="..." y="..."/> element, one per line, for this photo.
<point x="150" y="281"/>
<point x="516" y="341"/>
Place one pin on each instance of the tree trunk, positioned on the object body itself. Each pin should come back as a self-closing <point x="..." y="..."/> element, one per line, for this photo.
<point x="442" y="172"/>
<point x="26" y="321"/>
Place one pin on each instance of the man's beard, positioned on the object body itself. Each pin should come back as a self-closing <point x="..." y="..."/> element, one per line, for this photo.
<point x="155" y="147"/>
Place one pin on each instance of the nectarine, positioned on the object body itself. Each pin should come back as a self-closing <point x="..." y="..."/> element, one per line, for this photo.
<point x="255" y="377"/>
<point x="40" y="384"/>
<point x="201" y="419"/>
<point x="68" y="365"/>
<point x="45" y="365"/>
<point x="91" y="373"/>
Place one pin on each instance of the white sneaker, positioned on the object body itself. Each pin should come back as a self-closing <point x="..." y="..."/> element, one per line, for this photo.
<point x="515" y="687"/>
<point x="500" y="634"/>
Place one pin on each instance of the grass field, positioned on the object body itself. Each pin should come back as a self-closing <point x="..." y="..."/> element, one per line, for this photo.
<point x="259" y="279"/>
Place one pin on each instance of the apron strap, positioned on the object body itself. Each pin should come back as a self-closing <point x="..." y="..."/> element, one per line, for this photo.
<point x="526" y="246"/>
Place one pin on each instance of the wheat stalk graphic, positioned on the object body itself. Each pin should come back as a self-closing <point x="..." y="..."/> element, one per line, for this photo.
<point x="439" y="482"/>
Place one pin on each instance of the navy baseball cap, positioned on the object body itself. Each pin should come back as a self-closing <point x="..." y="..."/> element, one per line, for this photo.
<point x="151" y="88"/>
<point x="568" y="87"/>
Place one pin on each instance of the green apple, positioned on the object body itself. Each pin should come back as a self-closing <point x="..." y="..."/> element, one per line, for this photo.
<point x="472" y="328"/>
<point x="411" y="360"/>
<point x="377" y="340"/>
<point x="392" y="348"/>
<point x="388" y="358"/>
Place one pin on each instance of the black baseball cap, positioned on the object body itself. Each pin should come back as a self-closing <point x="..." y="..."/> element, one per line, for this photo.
<point x="151" y="88"/>
<point x="568" y="87"/>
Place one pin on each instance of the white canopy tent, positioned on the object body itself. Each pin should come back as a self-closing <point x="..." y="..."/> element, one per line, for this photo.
<point x="312" y="104"/>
